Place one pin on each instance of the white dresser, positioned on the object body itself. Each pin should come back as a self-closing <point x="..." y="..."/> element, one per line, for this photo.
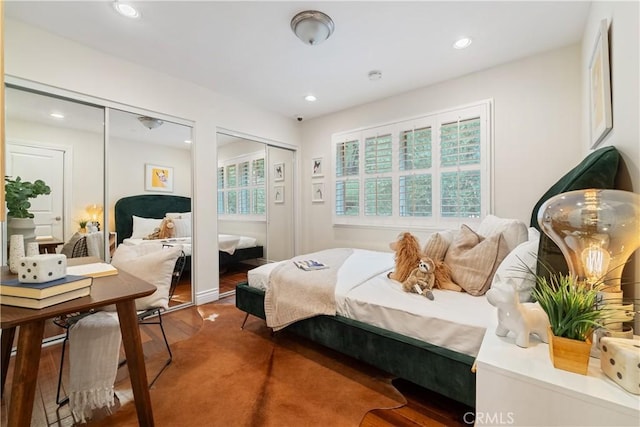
<point x="519" y="386"/>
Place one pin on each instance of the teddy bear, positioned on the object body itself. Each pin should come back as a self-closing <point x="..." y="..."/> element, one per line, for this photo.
<point x="166" y="230"/>
<point x="408" y="254"/>
<point x="421" y="279"/>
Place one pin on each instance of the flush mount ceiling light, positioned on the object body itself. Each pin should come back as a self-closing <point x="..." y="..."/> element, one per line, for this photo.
<point x="57" y="115"/>
<point x="310" y="98"/>
<point x="126" y="10"/>
<point x="462" y="43"/>
<point x="312" y="27"/>
<point x="150" y="122"/>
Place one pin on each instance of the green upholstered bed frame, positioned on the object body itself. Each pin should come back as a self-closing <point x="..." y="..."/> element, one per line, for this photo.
<point x="145" y="206"/>
<point x="435" y="368"/>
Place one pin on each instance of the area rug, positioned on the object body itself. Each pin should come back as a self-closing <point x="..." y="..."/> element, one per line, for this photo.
<point x="227" y="376"/>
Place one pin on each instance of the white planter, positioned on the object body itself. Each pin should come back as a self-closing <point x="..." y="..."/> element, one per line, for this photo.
<point x="24" y="226"/>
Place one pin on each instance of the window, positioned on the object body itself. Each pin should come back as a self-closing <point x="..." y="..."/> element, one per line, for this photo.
<point x="425" y="172"/>
<point x="241" y="187"/>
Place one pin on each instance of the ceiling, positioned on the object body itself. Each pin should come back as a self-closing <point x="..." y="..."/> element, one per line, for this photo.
<point x="247" y="50"/>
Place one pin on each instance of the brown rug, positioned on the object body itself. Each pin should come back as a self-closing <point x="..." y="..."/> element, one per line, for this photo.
<point x="225" y="376"/>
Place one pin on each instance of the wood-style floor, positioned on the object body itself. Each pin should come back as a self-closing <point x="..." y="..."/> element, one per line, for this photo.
<point x="233" y="275"/>
<point x="424" y="408"/>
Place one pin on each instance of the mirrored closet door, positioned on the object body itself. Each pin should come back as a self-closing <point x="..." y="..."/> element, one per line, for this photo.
<point x="255" y="206"/>
<point x="149" y="178"/>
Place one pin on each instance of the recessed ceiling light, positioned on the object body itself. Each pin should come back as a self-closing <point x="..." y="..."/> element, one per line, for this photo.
<point x="310" y="98"/>
<point x="126" y="10"/>
<point x="57" y="115"/>
<point x="462" y="43"/>
<point x="187" y="141"/>
<point x="375" y="75"/>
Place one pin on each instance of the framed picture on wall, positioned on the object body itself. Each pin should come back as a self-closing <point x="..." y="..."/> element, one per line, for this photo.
<point x="278" y="172"/>
<point x="278" y="194"/>
<point x="600" y="117"/>
<point x="317" y="170"/>
<point x="317" y="192"/>
<point x="158" y="178"/>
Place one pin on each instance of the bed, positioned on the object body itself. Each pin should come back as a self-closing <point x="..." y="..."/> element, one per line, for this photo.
<point x="433" y="362"/>
<point x="137" y="216"/>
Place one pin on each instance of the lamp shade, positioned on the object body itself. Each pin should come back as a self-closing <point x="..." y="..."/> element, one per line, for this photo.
<point x="597" y="231"/>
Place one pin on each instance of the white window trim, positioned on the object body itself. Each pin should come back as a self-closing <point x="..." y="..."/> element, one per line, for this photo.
<point x="484" y="108"/>
<point x="237" y="160"/>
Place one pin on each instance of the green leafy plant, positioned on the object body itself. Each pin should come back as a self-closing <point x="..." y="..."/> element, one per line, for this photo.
<point x="18" y="193"/>
<point x="571" y="304"/>
<point x="83" y="223"/>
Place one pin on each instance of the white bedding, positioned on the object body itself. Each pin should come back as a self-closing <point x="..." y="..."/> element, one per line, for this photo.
<point x="454" y="320"/>
<point x="226" y="242"/>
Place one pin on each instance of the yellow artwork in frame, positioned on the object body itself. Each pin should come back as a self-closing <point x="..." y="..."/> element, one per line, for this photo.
<point x="158" y="178"/>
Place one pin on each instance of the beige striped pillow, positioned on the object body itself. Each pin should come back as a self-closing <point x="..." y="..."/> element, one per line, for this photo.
<point x="437" y="245"/>
<point x="474" y="259"/>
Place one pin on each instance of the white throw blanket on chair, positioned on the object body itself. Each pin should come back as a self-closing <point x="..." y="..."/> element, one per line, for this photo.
<point x="94" y="350"/>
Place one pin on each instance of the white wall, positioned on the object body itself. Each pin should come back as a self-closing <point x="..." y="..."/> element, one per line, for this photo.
<point x="624" y="30"/>
<point x="537" y="133"/>
<point x="126" y="172"/>
<point x="36" y="55"/>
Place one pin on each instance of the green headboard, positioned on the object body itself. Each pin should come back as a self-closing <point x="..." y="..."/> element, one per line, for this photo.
<point x="146" y="206"/>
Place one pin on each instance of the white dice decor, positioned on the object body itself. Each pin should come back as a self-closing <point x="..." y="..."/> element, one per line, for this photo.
<point x="620" y="361"/>
<point x="42" y="268"/>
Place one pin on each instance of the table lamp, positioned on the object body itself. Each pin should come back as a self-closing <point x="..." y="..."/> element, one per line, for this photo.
<point x="597" y="231"/>
<point x="95" y="211"/>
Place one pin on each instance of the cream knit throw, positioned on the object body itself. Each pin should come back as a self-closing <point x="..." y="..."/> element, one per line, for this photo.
<point x="294" y="294"/>
<point x="94" y="350"/>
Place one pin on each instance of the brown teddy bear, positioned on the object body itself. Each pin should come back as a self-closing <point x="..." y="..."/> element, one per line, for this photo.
<point x="408" y="254"/>
<point x="166" y="230"/>
<point x="421" y="279"/>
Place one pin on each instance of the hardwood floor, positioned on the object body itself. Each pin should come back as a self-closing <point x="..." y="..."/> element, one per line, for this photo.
<point x="234" y="274"/>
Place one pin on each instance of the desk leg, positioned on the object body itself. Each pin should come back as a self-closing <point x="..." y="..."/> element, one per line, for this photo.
<point x="25" y="373"/>
<point x="135" y="361"/>
<point x="5" y="354"/>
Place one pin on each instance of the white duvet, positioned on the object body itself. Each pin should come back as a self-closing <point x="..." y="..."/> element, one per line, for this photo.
<point x="228" y="243"/>
<point x="454" y="320"/>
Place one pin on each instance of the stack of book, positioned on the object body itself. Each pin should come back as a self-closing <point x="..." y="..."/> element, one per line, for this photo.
<point x="41" y="295"/>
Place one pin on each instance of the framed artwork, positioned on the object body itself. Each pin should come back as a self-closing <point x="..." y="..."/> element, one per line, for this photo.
<point x="317" y="170"/>
<point x="317" y="192"/>
<point x="278" y="194"/>
<point x="278" y="172"/>
<point x="158" y="178"/>
<point x="600" y="117"/>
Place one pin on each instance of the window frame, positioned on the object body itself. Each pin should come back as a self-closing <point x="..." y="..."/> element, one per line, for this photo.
<point x="239" y="187"/>
<point x="481" y="109"/>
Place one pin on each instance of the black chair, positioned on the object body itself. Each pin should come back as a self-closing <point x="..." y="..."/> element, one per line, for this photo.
<point x="150" y="316"/>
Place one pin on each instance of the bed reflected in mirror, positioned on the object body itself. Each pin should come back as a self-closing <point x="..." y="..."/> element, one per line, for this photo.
<point x="242" y="208"/>
<point x="150" y="187"/>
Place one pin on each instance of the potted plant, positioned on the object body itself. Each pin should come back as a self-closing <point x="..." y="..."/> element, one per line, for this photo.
<point x="574" y="313"/>
<point x="17" y="195"/>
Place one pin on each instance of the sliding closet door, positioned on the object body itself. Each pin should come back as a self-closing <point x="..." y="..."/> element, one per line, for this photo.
<point x="280" y="218"/>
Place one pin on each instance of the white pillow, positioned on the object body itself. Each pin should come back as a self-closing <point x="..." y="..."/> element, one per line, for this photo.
<point x="182" y="221"/>
<point x="142" y="227"/>
<point x="152" y="263"/>
<point x="513" y="273"/>
<point x="513" y="230"/>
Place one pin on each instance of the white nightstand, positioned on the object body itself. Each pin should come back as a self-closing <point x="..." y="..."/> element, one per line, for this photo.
<point x="519" y="386"/>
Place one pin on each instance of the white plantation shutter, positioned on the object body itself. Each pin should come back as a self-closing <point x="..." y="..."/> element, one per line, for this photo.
<point x="460" y="159"/>
<point x="241" y="187"/>
<point x="431" y="171"/>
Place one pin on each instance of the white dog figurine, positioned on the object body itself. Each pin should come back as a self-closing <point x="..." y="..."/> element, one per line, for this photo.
<point x="520" y="318"/>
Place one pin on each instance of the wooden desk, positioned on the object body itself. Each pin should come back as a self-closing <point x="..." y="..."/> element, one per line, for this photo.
<point x="121" y="290"/>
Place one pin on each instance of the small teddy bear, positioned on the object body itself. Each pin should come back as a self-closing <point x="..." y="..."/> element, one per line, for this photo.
<point x="166" y="230"/>
<point x="421" y="279"/>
